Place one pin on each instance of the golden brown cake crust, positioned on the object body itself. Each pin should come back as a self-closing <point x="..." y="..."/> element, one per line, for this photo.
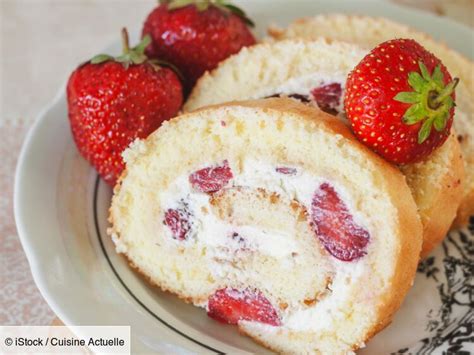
<point x="446" y="201"/>
<point x="465" y="211"/>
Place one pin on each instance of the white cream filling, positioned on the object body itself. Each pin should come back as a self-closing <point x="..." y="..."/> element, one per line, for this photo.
<point x="303" y="85"/>
<point x="300" y="187"/>
<point x="216" y="234"/>
<point x="322" y="315"/>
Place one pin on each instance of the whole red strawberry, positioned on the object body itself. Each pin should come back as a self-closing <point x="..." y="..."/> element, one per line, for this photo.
<point x="400" y="101"/>
<point x="113" y="101"/>
<point x="195" y="35"/>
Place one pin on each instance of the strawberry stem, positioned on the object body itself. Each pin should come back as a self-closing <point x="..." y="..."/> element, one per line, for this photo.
<point x="447" y="91"/>
<point x="125" y="41"/>
<point x="202" y="5"/>
<point x="132" y="56"/>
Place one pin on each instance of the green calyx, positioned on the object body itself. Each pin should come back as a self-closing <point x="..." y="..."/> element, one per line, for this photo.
<point x="203" y="5"/>
<point x="431" y="100"/>
<point x="135" y="55"/>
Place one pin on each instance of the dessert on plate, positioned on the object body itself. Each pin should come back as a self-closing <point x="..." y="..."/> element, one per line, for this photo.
<point x="315" y="72"/>
<point x="298" y="204"/>
<point x="270" y="215"/>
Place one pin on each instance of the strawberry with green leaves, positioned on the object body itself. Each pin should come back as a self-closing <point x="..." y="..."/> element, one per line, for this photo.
<point x="114" y="100"/>
<point x="400" y="101"/>
<point x="195" y="35"/>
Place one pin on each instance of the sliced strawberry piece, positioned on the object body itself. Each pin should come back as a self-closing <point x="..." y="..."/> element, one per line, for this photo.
<point x="335" y="226"/>
<point x="328" y="97"/>
<point x="286" y="170"/>
<point x="179" y="221"/>
<point x="211" y="179"/>
<point x="231" y="306"/>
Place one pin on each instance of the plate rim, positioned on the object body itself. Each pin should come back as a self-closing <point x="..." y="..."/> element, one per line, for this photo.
<point x="39" y="277"/>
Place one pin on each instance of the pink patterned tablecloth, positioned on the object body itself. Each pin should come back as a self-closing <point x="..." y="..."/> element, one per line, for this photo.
<point x="20" y="301"/>
<point x="45" y="40"/>
<point x="41" y="42"/>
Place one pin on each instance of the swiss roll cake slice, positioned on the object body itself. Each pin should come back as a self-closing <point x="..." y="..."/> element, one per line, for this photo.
<point x="368" y="32"/>
<point x="270" y="215"/>
<point x="315" y="73"/>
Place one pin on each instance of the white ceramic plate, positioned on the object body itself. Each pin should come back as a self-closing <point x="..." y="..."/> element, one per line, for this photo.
<point x="61" y="212"/>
